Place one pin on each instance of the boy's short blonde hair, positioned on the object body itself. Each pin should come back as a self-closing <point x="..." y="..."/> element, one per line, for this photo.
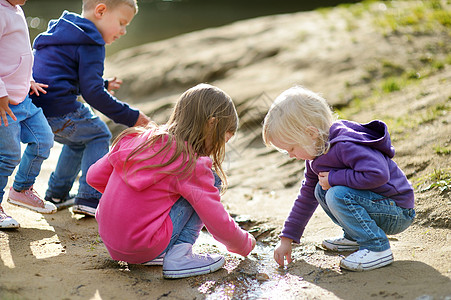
<point x="91" y="4"/>
<point x="294" y="115"/>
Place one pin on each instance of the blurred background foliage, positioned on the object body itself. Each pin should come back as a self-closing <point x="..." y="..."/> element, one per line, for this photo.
<point x="162" y="19"/>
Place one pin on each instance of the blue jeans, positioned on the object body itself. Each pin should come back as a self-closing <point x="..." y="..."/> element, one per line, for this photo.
<point x="31" y="128"/>
<point x="186" y="224"/>
<point x="86" y="139"/>
<point x="364" y="216"/>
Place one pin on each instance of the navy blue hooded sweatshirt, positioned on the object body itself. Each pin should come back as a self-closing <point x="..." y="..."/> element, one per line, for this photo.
<point x="69" y="57"/>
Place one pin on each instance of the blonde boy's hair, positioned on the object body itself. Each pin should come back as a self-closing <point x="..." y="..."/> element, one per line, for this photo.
<point x="91" y="4"/>
<point x="294" y="116"/>
<point x="202" y="112"/>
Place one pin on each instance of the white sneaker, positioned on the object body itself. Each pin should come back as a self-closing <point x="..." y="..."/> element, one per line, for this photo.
<point x="181" y="262"/>
<point x="340" y="244"/>
<point x="365" y="260"/>
<point x="6" y="221"/>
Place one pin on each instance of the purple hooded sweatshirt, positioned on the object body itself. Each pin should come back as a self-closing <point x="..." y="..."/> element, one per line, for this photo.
<point x="360" y="157"/>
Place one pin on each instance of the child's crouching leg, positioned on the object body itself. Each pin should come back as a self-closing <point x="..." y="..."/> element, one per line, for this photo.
<point x="340" y="243"/>
<point x="180" y="261"/>
<point x="354" y="210"/>
<point x="367" y="217"/>
<point x="185" y="222"/>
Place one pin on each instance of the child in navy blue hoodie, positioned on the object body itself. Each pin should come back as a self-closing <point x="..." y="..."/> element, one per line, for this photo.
<point x="69" y="57"/>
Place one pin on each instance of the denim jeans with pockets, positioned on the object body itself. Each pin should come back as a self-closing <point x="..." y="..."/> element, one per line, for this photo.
<point x="86" y="139"/>
<point x="31" y="128"/>
<point x="364" y="216"/>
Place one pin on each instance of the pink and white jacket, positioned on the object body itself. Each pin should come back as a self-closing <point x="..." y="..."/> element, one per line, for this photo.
<point x="16" y="57"/>
<point x="133" y="213"/>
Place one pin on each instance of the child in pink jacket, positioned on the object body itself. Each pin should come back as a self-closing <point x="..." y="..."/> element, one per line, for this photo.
<point x="160" y="186"/>
<point x="20" y="120"/>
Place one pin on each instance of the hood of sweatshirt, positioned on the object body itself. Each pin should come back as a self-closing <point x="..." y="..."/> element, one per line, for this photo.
<point x="68" y="28"/>
<point x="138" y="172"/>
<point x="373" y="134"/>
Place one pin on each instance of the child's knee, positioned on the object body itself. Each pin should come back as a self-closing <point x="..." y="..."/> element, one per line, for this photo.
<point x="319" y="193"/>
<point x="47" y="141"/>
<point x="335" y="195"/>
<point x="44" y="142"/>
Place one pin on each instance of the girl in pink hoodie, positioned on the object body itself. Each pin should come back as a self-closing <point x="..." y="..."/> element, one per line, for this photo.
<point x="160" y="186"/>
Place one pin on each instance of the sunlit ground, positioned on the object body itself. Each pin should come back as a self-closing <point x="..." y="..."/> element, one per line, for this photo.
<point x="257" y="277"/>
<point x="40" y="248"/>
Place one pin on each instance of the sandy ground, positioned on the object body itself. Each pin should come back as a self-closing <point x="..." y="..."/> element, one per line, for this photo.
<point x="61" y="256"/>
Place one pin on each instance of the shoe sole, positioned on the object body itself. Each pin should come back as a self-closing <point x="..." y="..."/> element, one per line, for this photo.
<point x="33" y="208"/>
<point x="360" y="267"/>
<point x="174" y="274"/>
<point x="84" y="210"/>
<point x="155" y="262"/>
<point x="339" y="247"/>
<point x="10" y="226"/>
<point x="65" y="204"/>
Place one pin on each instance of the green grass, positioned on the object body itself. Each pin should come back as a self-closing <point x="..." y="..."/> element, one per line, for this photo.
<point x="440" y="150"/>
<point x="413" y="120"/>
<point x="358" y="9"/>
<point x="399" y="126"/>
<point x="426" y="16"/>
<point x="93" y="244"/>
<point x="439" y="179"/>
<point x="392" y="84"/>
<point x="389" y="77"/>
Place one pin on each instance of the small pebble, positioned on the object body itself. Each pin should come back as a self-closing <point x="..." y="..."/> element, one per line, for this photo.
<point x="262" y="277"/>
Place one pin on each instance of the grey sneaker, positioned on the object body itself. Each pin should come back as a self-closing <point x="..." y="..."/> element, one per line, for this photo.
<point x="6" y="221"/>
<point x="157" y="261"/>
<point x="365" y="260"/>
<point x="181" y="262"/>
<point x="340" y="244"/>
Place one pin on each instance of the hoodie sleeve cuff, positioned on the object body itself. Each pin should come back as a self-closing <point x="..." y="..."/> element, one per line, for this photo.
<point x="292" y="231"/>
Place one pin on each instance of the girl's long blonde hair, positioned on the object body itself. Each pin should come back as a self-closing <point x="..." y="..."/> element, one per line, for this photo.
<point x="294" y="116"/>
<point x="202" y="112"/>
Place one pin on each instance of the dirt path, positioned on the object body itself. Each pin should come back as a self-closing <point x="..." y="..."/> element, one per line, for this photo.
<point x="338" y="53"/>
<point x="60" y="256"/>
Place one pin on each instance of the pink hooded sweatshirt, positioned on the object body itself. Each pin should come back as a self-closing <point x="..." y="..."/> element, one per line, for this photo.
<point x="16" y="57"/>
<point x="133" y="213"/>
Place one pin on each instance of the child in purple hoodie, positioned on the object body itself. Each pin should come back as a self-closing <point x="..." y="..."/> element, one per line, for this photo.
<point x="349" y="171"/>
